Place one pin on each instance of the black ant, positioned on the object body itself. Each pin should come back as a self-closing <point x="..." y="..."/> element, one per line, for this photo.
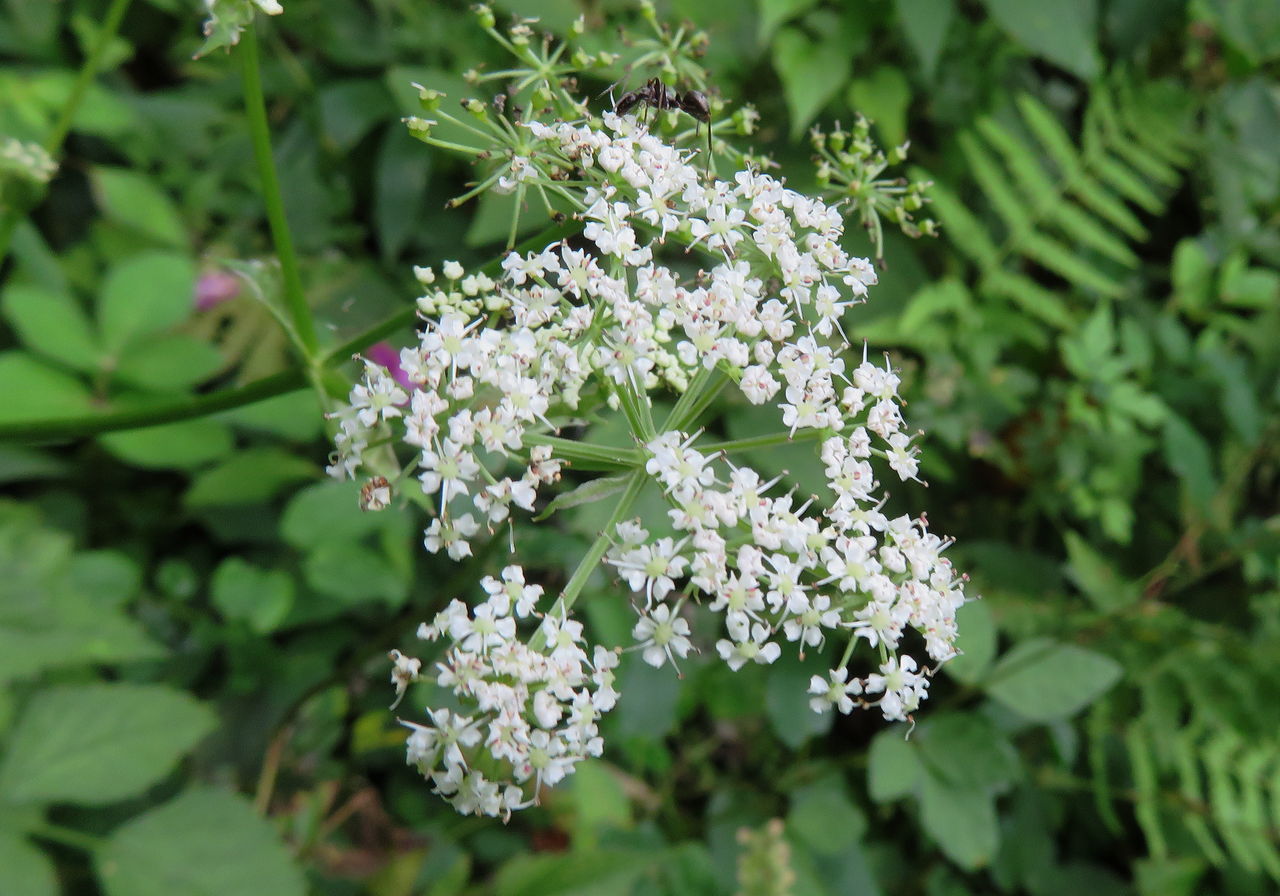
<point x="658" y="95"/>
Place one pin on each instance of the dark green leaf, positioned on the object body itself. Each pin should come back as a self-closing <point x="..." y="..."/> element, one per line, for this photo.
<point x="353" y="573"/>
<point x="925" y="22"/>
<point x="204" y="843"/>
<point x="977" y="643"/>
<point x="824" y="818"/>
<point x="248" y="477"/>
<point x="1063" y="33"/>
<point x="1044" y="680"/>
<point x="242" y="592"/>
<point x="400" y="186"/>
<point x="1187" y="454"/>
<point x="98" y="743"/>
<point x="811" y="72"/>
<point x="893" y="766"/>
<point x="962" y="821"/>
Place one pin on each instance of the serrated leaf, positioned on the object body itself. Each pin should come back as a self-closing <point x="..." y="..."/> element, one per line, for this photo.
<point x="53" y="324"/>
<point x="144" y="294"/>
<point x="203" y="843"/>
<point x="1045" y="681"/>
<point x="99" y="743"/>
<point x="133" y="199"/>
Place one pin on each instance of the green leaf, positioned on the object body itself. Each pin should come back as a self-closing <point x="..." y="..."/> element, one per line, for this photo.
<point x="1187" y="453"/>
<point x="353" y="573"/>
<point x="893" y="766"/>
<point x="824" y="818"/>
<point x="350" y="109"/>
<point x="1063" y="33"/>
<point x="260" y="598"/>
<point x="33" y="390"/>
<point x="883" y="96"/>
<point x="602" y="872"/>
<point x="600" y="802"/>
<point x="968" y="751"/>
<point x="171" y="363"/>
<point x="112" y="577"/>
<point x="400" y="182"/>
<point x="144" y="294"/>
<point x="53" y="324"/>
<point x="133" y="199"/>
<point x="587" y="493"/>
<point x="777" y="12"/>
<point x="961" y="820"/>
<point x="811" y="72"/>
<point x="977" y="643"/>
<point x="204" y="843"/>
<point x="925" y="23"/>
<point x="248" y="477"/>
<point x="787" y="703"/>
<point x="181" y="446"/>
<point x="1046" y="681"/>
<point x="99" y="743"/>
<point x="1098" y="579"/>
<point x="326" y="511"/>
<point x="25" y="869"/>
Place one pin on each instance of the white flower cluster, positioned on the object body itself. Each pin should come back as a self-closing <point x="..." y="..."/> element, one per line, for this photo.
<point x="536" y="701"/>
<point x="776" y="570"/>
<point x="27" y="160"/>
<point x="499" y="361"/>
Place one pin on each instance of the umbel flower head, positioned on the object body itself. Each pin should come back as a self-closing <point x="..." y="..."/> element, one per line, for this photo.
<point x="676" y="284"/>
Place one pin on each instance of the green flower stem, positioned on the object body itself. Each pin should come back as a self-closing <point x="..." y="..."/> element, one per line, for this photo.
<point x="596" y="552"/>
<point x="37" y="431"/>
<point x="772" y="440"/>
<point x="62" y="127"/>
<point x="295" y="299"/>
<point x="709" y="388"/>
<point x="585" y="456"/>
<point x="68" y="837"/>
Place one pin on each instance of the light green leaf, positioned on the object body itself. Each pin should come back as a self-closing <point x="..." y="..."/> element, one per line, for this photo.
<point x="53" y="324"/>
<point x="962" y="821"/>
<point x="24" y="869"/>
<point x="811" y="72"/>
<point x="977" y="643"/>
<point x="968" y="751"/>
<point x="134" y="200"/>
<point x="326" y="511"/>
<point x="787" y="703"/>
<point x="98" y="743"/>
<point x="204" y="843"/>
<point x="883" y="96"/>
<point x="587" y="493"/>
<point x="33" y="390"/>
<point x="777" y="12"/>
<point x="925" y="23"/>
<point x="182" y="446"/>
<point x="893" y="766"/>
<point x="600" y="801"/>
<point x="602" y="872"/>
<point x="171" y="363"/>
<point x="824" y="818"/>
<point x="1187" y="453"/>
<point x="1044" y="680"/>
<point x="353" y="573"/>
<point x="1097" y="578"/>
<point x="1063" y="33"/>
<point x="261" y="598"/>
<point x="248" y="477"/>
<point x="144" y="294"/>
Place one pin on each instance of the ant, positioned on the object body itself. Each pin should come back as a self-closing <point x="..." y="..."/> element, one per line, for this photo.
<point x="658" y="95"/>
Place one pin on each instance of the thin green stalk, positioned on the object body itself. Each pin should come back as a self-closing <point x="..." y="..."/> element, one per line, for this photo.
<point x="38" y="431"/>
<point x="596" y="552"/>
<point x="772" y="440"/>
<point x="62" y="127"/>
<point x="295" y="299"/>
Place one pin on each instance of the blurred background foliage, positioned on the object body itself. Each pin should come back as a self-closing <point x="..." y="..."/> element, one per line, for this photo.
<point x="193" y="624"/>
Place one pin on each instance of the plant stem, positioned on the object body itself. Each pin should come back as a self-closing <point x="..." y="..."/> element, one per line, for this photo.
<point x="62" y="127"/>
<point x="596" y="552"/>
<point x="68" y="836"/>
<point x="38" y="431"/>
<point x="304" y="331"/>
